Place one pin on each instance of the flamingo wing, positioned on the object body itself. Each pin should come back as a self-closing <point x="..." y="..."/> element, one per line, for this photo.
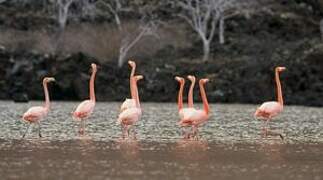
<point x="186" y="115"/>
<point x="35" y="113"/>
<point x="84" y="109"/>
<point x="128" y="103"/>
<point x="269" y="109"/>
<point x="199" y="117"/>
<point x="129" y="116"/>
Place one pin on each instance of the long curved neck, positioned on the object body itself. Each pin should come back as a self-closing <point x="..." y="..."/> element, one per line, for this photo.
<point x="190" y="94"/>
<point x="133" y="83"/>
<point x="204" y="99"/>
<point x="180" y="96"/>
<point x="279" y="89"/>
<point x="133" y="69"/>
<point x="132" y="91"/>
<point x="92" y="91"/>
<point x="47" y="101"/>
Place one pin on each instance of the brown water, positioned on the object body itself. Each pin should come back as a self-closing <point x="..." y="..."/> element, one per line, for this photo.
<point x="232" y="145"/>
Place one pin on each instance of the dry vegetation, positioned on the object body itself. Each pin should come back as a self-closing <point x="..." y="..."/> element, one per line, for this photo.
<point x="98" y="40"/>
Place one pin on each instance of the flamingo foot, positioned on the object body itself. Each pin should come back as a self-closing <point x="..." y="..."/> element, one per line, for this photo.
<point x="23" y="136"/>
<point x="81" y="131"/>
<point x="134" y="135"/>
<point x="39" y="131"/>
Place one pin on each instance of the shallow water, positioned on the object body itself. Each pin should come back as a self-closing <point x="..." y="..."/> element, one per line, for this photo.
<point x="232" y="145"/>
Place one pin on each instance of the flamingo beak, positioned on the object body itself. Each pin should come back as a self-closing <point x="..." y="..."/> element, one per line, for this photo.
<point x="131" y="63"/>
<point x="139" y="77"/>
<point x="190" y="77"/>
<point x="51" y="79"/>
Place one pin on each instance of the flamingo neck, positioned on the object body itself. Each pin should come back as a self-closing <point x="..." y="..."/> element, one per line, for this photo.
<point x="135" y="91"/>
<point x="47" y="101"/>
<point x="92" y="91"/>
<point x="279" y="89"/>
<point x="132" y="90"/>
<point x="180" y="96"/>
<point x="133" y="69"/>
<point x="190" y="94"/>
<point x="204" y="98"/>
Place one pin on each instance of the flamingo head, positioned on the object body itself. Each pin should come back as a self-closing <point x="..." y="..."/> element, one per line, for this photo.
<point x="132" y="63"/>
<point x="138" y="77"/>
<point x="191" y="78"/>
<point x="180" y="79"/>
<point x="48" y="79"/>
<point x="94" y="67"/>
<point x="203" y="81"/>
<point x="280" y="69"/>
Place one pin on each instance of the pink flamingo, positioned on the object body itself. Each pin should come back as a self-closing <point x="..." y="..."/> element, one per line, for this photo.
<point x="130" y="116"/>
<point x="268" y="110"/>
<point x="181" y="110"/>
<point x="37" y="113"/>
<point x="85" y="109"/>
<point x="130" y="103"/>
<point x="193" y="117"/>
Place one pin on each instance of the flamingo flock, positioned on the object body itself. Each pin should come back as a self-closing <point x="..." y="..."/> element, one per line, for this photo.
<point x="131" y="112"/>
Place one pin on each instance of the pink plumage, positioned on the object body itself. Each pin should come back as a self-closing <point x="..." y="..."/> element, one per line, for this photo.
<point x="269" y="110"/>
<point x="37" y="113"/>
<point x="85" y="108"/>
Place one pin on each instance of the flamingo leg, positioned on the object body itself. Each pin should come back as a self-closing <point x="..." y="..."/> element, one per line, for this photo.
<point x="186" y="134"/>
<point x="39" y="130"/>
<point x="23" y="136"/>
<point x="134" y="133"/>
<point x="125" y="131"/>
<point x="128" y="131"/>
<point x="122" y="130"/>
<point x="194" y="132"/>
<point x="81" y="127"/>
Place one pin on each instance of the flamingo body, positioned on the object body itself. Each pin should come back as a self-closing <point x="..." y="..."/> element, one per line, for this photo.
<point x="35" y="114"/>
<point x="84" y="109"/>
<point x="128" y="103"/>
<point x="268" y="110"/>
<point x="194" y="117"/>
<point x="130" y="116"/>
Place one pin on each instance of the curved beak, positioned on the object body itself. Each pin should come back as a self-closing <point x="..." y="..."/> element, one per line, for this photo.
<point x="51" y="79"/>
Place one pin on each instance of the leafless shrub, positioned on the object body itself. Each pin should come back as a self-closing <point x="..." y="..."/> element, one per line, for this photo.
<point x="204" y="16"/>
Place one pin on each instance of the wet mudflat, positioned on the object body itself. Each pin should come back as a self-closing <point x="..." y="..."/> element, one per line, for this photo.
<point x="231" y="146"/>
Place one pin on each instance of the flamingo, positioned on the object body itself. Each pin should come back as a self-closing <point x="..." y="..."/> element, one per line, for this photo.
<point x="37" y="113"/>
<point x="130" y="103"/>
<point x="193" y="117"/>
<point x="270" y="109"/>
<point x="85" y="109"/>
<point x="181" y="110"/>
<point x="130" y="116"/>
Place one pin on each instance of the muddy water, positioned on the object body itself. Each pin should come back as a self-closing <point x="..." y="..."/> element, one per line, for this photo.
<point x="232" y="145"/>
